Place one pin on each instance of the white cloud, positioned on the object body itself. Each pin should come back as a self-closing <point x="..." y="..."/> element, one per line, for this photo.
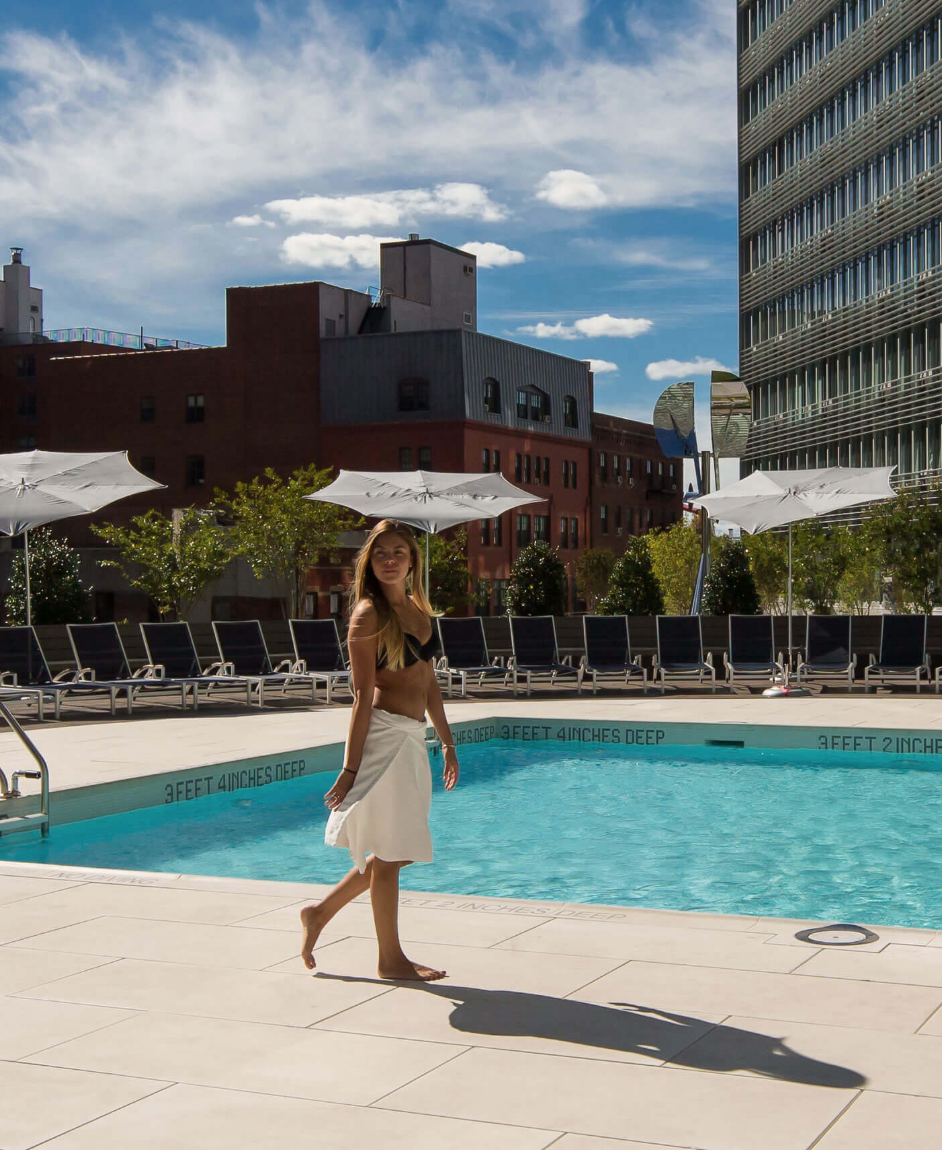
<point x="680" y="369"/>
<point x="602" y="366"/>
<point x="592" y="327"/>
<point x="250" y="222"/>
<point x="640" y="258"/>
<point x="389" y="209"/>
<point x="567" y="188"/>
<point x="494" y="255"/>
<point x="327" y="251"/>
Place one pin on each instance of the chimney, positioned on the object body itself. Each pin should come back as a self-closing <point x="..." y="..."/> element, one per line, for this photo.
<point x="413" y="235"/>
<point x="16" y="255"/>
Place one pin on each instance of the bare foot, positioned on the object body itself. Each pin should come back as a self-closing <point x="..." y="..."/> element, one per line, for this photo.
<point x="406" y="971"/>
<point x="313" y="923"/>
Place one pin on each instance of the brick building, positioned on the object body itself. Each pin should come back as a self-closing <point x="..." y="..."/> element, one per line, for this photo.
<point x="635" y="488"/>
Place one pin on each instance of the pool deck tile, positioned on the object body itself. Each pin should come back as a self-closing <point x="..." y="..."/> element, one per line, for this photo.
<point x="895" y="1063"/>
<point x="22" y="969"/>
<point x="182" y="1117"/>
<point x="878" y="1121"/>
<point x="270" y="1059"/>
<point x="615" y="1100"/>
<point x="915" y="965"/>
<point x="29" y="1026"/>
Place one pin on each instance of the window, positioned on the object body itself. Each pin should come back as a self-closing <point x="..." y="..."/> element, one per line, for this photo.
<point x="26" y="367"/>
<point x="485" y="459"/>
<point x="570" y="411"/>
<point x="413" y="395"/>
<point x="670" y="471"/>
<point x="518" y="467"/>
<point x="492" y="396"/>
<point x="603" y="467"/>
<point x="405" y="458"/>
<point x="148" y="465"/>
<point x="195" y="471"/>
<point x="194" y="409"/>
<point x="526" y="469"/>
<point x="148" y="409"/>
<point x="539" y="406"/>
<point x="647" y="468"/>
<point x="537" y="470"/>
<point x="28" y="443"/>
<point x="546" y="471"/>
<point x="572" y="475"/>
<point x="468" y="318"/>
<point x="541" y="528"/>
<point x="485" y="532"/>
<point x="618" y="520"/>
<point x="616" y="468"/>
<point x="330" y="327"/>
<point x="628" y="467"/>
<point x="496" y="459"/>
<point x="521" y="404"/>
<point x="523" y="530"/>
<point x="574" y="533"/>
<point x="603" y="511"/>
<point x="500" y="595"/>
<point x="425" y="459"/>
<point x="565" y="473"/>
<point x="497" y="531"/>
<point x="563" y="532"/>
<point x="660" y="468"/>
<point x="468" y="269"/>
<point x="26" y="408"/>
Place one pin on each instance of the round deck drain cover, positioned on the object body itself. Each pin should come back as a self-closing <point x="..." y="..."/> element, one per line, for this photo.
<point x="838" y="934"/>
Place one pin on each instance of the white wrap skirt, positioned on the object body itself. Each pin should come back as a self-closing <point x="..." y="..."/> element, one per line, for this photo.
<point x="386" y="811"/>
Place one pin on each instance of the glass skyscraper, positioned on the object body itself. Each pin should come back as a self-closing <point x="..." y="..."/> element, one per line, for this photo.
<point x="840" y="210"/>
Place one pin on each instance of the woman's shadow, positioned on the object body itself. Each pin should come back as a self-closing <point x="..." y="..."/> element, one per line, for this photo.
<point x="628" y="1028"/>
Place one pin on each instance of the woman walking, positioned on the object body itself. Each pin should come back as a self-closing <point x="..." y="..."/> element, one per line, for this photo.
<point x="380" y="801"/>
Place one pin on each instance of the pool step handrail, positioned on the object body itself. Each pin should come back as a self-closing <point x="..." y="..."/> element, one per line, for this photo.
<point x="38" y="819"/>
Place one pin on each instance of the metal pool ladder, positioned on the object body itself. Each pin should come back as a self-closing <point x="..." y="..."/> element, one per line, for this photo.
<point x="38" y="820"/>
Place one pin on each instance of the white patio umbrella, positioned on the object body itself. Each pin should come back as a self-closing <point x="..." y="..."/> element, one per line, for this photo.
<point x="767" y="499"/>
<point x="429" y="500"/>
<point x="38" y="487"/>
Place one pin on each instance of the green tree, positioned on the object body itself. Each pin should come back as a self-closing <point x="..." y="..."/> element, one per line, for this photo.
<point x="861" y="584"/>
<point x="675" y="556"/>
<point x="730" y="588"/>
<point x="633" y="590"/>
<point x="170" y="557"/>
<point x="593" y="574"/>
<point x="57" y="594"/>
<point x="768" y="561"/>
<point x="537" y="584"/>
<point x="908" y="532"/>
<point x="279" y="533"/>
<point x="818" y="565"/>
<point x="448" y="576"/>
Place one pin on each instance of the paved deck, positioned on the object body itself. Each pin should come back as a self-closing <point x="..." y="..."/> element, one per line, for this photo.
<point x="171" y="1012"/>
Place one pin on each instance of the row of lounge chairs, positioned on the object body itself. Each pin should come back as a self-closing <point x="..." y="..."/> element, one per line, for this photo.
<point x="174" y="668"/>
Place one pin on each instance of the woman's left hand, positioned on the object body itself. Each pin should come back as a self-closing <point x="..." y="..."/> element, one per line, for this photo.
<point x="450" y="773"/>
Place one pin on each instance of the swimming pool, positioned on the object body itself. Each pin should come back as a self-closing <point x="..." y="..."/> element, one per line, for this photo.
<point x="795" y="834"/>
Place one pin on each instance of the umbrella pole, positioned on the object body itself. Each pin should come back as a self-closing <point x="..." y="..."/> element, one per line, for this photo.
<point x="29" y="614"/>
<point x="789" y="596"/>
<point x="426" y="564"/>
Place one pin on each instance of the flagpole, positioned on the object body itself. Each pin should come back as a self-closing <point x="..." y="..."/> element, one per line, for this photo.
<point x="29" y="617"/>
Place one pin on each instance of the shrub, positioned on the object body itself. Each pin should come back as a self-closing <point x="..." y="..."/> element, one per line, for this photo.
<point x="57" y="594"/>
<point x="633" y="590"/>
<point x="537" y="582"/>
<point x="675" y="556"/>
<point x="730" y="588"/>
<point x="593" y="574"/>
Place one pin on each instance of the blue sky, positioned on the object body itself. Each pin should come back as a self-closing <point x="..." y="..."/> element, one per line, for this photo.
<point x="153" y="153"/>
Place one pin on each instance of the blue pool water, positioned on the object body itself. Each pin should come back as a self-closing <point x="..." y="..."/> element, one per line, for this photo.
<point x="786" y="833"/>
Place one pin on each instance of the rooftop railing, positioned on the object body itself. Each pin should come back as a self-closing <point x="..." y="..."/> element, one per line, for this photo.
<point x="121" y="339"/>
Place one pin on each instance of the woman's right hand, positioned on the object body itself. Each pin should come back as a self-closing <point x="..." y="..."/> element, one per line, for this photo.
<point x="338" y="792"/>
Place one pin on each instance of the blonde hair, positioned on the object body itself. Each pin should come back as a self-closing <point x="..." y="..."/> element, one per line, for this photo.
<point x="391" y="639"/>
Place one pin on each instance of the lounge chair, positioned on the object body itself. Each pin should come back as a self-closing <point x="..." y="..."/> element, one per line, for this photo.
<point x="902" y="651"/>
<point x="828" y="653"/>
<point x="170" y="649"/>
<point x="100" y="658"/>
<point x="242" y="645"/>
<point x="536" y="652"/>
<point x="751" y="652"/>
<point x="680" y="650"/>
<point x="608" y="651"/>
<point x="465" y="655"/>
<point x="23" y="665"/>
<point x="317" y="651"/>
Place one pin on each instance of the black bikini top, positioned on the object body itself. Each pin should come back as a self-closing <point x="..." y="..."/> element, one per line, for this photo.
<point x="415" y="650"/>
